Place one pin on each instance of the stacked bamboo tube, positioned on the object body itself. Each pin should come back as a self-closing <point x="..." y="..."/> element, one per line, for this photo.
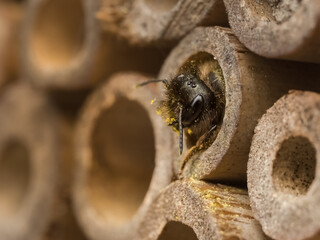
<point x="165" y="22"/>
<point x="211" y="211"/>
<point x="29" y="173"/>
<point x="113" y="187"/>
<point x="283" y="168"/>
<point x="63" y="47"/>
<point x="76" y="164"/>
<point x="252" y="84"/>
<point x="278" y="29"/>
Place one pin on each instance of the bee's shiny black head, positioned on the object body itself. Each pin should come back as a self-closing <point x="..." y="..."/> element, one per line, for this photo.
<point x="192" y="95"/>
<point x="187" y="87"/>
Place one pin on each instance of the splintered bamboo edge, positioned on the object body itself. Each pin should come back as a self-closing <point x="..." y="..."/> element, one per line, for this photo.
<point x="193" y="209"/>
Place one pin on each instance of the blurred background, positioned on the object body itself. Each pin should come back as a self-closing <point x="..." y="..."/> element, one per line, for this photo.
<point x="53" y="54"/>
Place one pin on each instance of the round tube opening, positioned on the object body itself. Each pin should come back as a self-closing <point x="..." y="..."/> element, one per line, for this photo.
<point x="176" y="230"/>
<point x="203" y="64"/>
<point x="294" y="167"/>
<point x="58" y="32"/>
<point x="123" y="160"/>
<point x="14" y="177"/>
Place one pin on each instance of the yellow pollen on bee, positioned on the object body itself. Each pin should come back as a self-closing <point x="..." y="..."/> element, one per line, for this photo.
<point x="159" y="112"/>
<point x="152" y="101"/>
<point x="170" y="120"/>
<point x="189" y="131"/>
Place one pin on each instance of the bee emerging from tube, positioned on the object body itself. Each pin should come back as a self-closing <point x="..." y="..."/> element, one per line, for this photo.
<point x="191" y="107"/>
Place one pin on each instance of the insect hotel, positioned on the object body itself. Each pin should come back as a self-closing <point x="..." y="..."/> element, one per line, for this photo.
<point x="159" y="120"/>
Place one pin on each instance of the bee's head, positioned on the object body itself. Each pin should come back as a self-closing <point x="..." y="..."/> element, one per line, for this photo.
<point x="186" y="87"/>
<point x="189" y="102"/>
<point x="192" y="94"/>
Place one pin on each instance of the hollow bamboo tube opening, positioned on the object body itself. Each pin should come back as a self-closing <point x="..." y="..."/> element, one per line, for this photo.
<point x="176" y="230"/>
<point x="60" y="44"/>
<point x="149" y="21"/>
<point x="192" y="209"/>
<point x="14" y="176"/>
<point x="57" y="36"/>
<point x="283" y="169"/>
<point x="28" y="160"/>
<point x="123" y="153"/>
<point x="293" y="169"/>
<point x="278" y="29"/>
<point x="250" y="84"/>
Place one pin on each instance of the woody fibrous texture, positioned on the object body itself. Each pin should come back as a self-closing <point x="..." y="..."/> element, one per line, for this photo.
<point x="251" y="83"/>
<point x="152" y="21"/>
<point x="278" y="29"/>
<point x="123" y="157"/>
<point x="192" y="210"/>
<point x="283" y="168"/>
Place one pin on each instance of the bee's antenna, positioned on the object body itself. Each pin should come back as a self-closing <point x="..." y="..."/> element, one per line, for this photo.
<point x="180" y="132"/>
<point x="164" y="81"/>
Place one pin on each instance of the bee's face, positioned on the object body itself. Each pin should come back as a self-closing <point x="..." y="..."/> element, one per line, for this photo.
<point x="192" y="94"/>
<point x="191" y="104"/>
<point x="187" y="86"/>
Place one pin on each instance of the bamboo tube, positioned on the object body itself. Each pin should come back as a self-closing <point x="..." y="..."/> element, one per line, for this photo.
<point x="123" y="152"/>
<point x="64" y="49"/>
<point x="28" y="157"/>
<point x="10" y="21"/>
<point x="283" y="168"/>
<point x="63" y="224"/>
<point x="251" y="83"/>
<point x="151" y="21"/>
<point x="278" y="29"/>
<point x="192" y="209"/>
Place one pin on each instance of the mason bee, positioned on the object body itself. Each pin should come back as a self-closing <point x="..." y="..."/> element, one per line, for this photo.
<point x="192" y="107"/>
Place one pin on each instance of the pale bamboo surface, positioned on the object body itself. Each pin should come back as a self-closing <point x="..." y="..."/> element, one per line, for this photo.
<point x="123" y="157"/>
<point x="144" y="22"/>
<point x="252" y="84"/>
<point x="278" y="29"/>
<point x="283" y="168"/>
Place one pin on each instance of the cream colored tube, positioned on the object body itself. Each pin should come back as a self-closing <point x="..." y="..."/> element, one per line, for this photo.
<point x="283" y="168"/>
<point x="123" y="157"/>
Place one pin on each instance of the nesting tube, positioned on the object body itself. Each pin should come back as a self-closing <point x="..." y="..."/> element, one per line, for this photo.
<point x="10" y="21"/>
<point x="192" y="209"/>
<point x="152" y="21"/>
<point x="123" y="157"/>
<point x="283" y="168"/>
<point x="63" y="47"/>
<point x="251" y="84"/>
<point x="60" y="41"/>
<point x="278" y="29"/>
<point x="28" y="158"/>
